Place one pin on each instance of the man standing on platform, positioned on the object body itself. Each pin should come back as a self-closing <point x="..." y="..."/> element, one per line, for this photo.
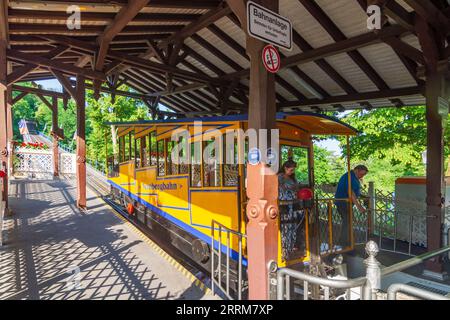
<point x="342" y="206"/>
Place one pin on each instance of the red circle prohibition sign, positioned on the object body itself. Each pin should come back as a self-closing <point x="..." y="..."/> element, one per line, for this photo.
<point x="271" y="59"/>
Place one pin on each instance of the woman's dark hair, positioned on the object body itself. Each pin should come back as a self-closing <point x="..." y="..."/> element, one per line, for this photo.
<point x="288" y="164"/>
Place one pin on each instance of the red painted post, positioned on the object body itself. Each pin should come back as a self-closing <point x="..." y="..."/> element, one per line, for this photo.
<point x="81" y="142"/>
<point x="10" y="138"/>
<point x="3" y="120"/>
<point x="437" y="109"/>
<point x="55" y="141"/>
<point x="262" y="188"/>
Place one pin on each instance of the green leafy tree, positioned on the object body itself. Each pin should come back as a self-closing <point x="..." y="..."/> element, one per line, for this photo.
<point x="391" y="143"/>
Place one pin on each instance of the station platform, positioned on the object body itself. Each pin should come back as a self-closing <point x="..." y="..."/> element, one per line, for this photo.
<point x="52" y="250"/>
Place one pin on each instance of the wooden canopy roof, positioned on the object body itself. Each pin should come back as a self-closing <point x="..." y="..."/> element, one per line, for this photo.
<point x="190" y="55"/>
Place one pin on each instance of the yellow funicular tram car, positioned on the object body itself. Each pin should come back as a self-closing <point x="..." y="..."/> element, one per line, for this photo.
<point x="182" y="202"/>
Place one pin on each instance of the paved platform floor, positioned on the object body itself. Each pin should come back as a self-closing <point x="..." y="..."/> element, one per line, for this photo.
<point x="53" y="251"/>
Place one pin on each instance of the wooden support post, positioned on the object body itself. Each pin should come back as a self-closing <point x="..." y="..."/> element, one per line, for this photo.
<point x="437" y="90"/>
<point x="55" y="129"/>
<point x="437" y="93"/>
<point x="262" y="188"/>
<point x="3" y="120"/>
<point x="9" y="120"/>
<point x="81" y="142"/>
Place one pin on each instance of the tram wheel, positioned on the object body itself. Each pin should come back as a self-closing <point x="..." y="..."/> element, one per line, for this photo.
<point x="200" y="251"/>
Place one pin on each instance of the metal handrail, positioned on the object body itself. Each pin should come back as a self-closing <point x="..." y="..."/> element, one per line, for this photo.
<point x="413" y="261"/>
<point x="420" y="293"/>
<point x="327" y="283"/>
<point x="218" y="282"/>
<point x="370" y="283"/>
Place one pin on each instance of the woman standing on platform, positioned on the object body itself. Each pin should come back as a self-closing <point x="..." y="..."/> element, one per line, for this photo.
<point x="287" y="191"/>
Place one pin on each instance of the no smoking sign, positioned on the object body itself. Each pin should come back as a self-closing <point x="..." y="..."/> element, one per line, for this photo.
<point x="271" y="59"/>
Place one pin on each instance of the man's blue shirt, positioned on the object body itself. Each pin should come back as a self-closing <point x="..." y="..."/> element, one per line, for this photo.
<point x="342" y="188"/>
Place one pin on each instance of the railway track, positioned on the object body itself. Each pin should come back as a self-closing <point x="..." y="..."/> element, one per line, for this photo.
<point x="101" y="188"/>
<point x="98" y="184"/>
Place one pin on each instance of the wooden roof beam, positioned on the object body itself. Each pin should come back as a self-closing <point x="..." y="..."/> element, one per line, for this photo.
<point x="150" y="82"/>
<point x="38" y="29"/>
<point x="324" y="20"/>
<point x="176" y="4"/>
<point x="205" y="20"/>
<point x="4" y="26"/>
<point x="125" y="15"/>
<point x="405" y="49"/>
<point x="333" y="49"/>
<point x="431" y="14"/>
<point x="51" y="64"/>
<point x="132" y="60"/>
<point x="366" y="96"/>
<point x="22" y="72"/>
<point x="61" y="16"/>
<point x="38" y="91"/>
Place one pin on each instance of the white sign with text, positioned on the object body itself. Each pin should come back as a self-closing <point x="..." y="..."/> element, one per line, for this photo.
<point x="268" y="26"/>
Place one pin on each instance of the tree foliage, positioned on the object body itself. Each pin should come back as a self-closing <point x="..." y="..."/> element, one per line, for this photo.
<point x="391" y="143"/>
<point x="97" y="113"/>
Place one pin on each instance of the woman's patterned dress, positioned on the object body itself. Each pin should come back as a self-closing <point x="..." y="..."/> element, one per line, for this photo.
<point x="287" y="191"/>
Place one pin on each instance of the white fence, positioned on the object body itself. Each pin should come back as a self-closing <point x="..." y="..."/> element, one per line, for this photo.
<point x="67" y="163"/>
<point x="40" y="162"/>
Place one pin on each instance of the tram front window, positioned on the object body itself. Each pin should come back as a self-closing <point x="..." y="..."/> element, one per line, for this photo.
<point x="300" y="155"/>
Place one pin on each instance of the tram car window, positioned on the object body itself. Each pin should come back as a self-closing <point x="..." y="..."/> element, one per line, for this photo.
<point x="145" y="151"/>
<point x="161" y="159"/>
<point x="121" y="149"/>
<point x="172" y="168"/>
<point x="138" y="153"/>
<point x="212" y="164"/>
<point x="231" y="166"/>
<point x="127" y="148"/>
<point x="183" y="153"/>
<point x="196" y="164"/>
<point x="132" y="147"/>
<point x="153" y="153"/>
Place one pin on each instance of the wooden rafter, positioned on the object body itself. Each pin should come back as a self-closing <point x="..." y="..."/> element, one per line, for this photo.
<point x="61" y="16"/>
<point x="328" y="24"/>
<point x="304" y="46"/>
<point x="19" y="97"/>
<point x="51" y="64"/>
<point x="431" y="14"/>
<point x="131" y="60"/>
<point x="187" y="80"/>
<point x="4" y="26"/>
<point x="386" y="94"/>
<point x="21" y="72"/>
<point x="205" y="20"/>
<point x="125" y="15"/>
<point x="334" y="48"/>
<point x="65" y="83"/>
<point x="173" y="4"/>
